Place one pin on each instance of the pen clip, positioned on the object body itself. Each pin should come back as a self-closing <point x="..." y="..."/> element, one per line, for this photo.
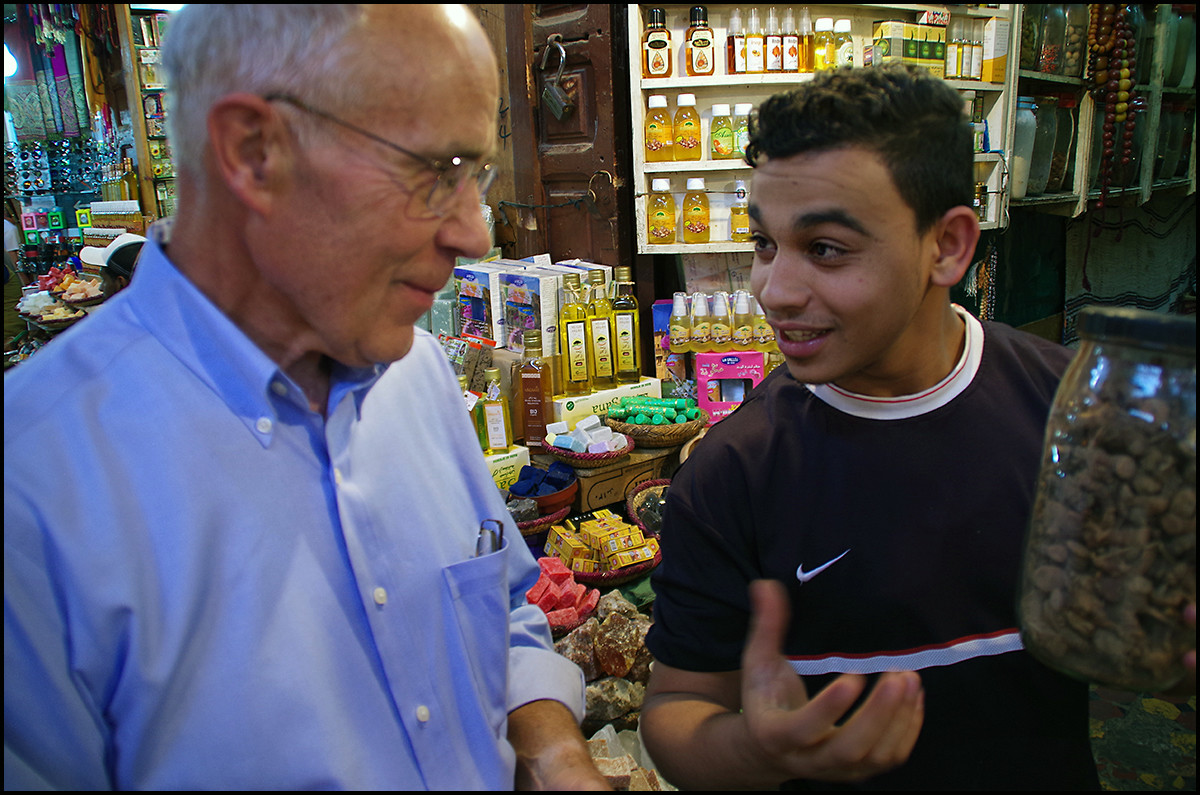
<point x="491" y="538"/>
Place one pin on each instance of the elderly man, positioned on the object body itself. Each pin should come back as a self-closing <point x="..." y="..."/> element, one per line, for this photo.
<point x="242" y="508"/>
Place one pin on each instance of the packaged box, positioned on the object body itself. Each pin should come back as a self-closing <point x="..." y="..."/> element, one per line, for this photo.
<point x="995" y="50"/>
<point x="585" y="266"/>
<point x="611" y="484"/>
<point x="724" y="379"/>
<point x="914" y="35"/>
<point x="572" y="409"/>
<point x="887" y="41"/>
<point x="934" y="51"/>
<point x="479" y="306"/>
<point x="506" y="467"/>
<point x="530" y="299"/>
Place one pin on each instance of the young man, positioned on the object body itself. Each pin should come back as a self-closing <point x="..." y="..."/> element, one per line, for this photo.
<point x="241" y="511"/>
<point x="884" y="477"/>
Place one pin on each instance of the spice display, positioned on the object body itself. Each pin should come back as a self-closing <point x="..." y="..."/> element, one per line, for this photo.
<point x="1054" y="22"/>
<point x="1111" y="550"/>
<point x="1075" y="39"/>
<point x="1112" y="61"/>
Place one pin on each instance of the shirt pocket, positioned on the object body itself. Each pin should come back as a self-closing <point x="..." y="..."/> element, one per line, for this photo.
<point x="479" y="605"/>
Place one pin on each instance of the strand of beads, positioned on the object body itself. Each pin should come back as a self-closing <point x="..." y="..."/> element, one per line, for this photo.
<point x="1112" y="61"/>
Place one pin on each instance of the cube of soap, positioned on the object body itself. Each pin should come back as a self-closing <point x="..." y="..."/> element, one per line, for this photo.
<point x="602" y="434"/>
<point x="557" y="428"/>
<point x="589" y="423"/>
<point x="598" y="447"/>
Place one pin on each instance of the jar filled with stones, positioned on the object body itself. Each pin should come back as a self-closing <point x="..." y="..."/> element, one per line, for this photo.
<point x="1110" y="553"/>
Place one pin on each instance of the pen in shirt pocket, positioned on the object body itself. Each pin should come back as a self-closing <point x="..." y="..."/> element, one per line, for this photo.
<point x="491" y="537"/>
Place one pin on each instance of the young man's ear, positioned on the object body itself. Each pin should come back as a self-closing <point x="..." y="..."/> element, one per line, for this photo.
<point x="247" y="137"/>
<point x="957" y="236"/>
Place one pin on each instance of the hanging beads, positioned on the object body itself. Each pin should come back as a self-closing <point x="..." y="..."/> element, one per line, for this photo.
<point x="1112" y="63"/>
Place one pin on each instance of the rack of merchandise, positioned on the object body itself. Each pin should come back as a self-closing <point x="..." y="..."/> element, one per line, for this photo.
<point x="1164" y="100"/>
<point x="142" y="35"/>
<point x="995" y="101"/>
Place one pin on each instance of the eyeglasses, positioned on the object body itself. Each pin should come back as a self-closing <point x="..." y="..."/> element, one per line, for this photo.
<point x="452" y="175"/>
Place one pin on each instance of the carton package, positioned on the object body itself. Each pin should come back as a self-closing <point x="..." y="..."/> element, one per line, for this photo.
<point x="724" y="379"/>
<point x="530" y="299"/>
<point x="506" y="467"/>
<point x="887" y="41"/>
<point x="995" y="50"/>
<point x="572" y="409"/>
<point x="611" y="484"/>
<point x="479" y="307"/>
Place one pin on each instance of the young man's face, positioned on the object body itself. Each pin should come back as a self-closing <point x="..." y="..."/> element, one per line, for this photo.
<point x="842" y="273"/>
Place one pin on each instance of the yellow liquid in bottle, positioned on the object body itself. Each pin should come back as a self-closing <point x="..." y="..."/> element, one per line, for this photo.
<point x="688" y="145"/>
<point x="660" y="218"/>
<point x="739" y="224"/>
<point x="721" y="145"/>
<point x="695" y="217"/>
<point x="660" y="136"/>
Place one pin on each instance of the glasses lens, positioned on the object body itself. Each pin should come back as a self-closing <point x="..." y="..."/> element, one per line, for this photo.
<point x="451" y="181"/>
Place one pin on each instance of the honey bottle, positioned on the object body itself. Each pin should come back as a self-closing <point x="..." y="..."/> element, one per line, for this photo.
<point x="660" y="131"/>
<point x="695" y="212"/>
<point x="735" y="45"/>
<point x="688" y="145"/>
<point x="699" y="47"/>
<point x="660" y="213"/>
<point x="656" y="45"/>
<point x="808" y="43"/>
<point x="824" y="45"/>
<point x="739" y="215"/>
<point x="701" y="338"/>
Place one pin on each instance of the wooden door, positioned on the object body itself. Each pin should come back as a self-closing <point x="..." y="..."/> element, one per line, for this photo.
<point x="571" y="177"/>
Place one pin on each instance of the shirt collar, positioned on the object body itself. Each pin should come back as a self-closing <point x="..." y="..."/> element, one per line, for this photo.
<point x="212" y="347"/>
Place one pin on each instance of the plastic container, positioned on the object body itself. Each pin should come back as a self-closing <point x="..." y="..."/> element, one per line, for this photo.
<point x="720" y="134"/>
<point x="1110" y="553"/>
<point x="1075" y="46"/>
<point x="1043" y="145"/>
<point x="688" y="142"/>
<point x="1054" y="29"/>
<point x="1064" y="142"/>
<point x="660" y="131"/>
<point x="741" y="128"/>
<point x="660" y="213"/>
<point x="1023" y="137"/>
<point x="696" y="220"/>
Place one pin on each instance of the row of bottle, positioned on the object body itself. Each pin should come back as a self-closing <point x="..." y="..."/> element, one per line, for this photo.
<point x="599" y="333"/>
<point x="783" y="47"/>
<point x="716" y="324"/>
<point x="118" y="181"/>
<point x="696" y="217"/>
<point x="680" y="136"/>
<point x="964" y="49"/>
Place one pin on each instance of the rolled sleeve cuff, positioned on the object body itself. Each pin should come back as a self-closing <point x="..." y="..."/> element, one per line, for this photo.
<point x="536" y="674"/>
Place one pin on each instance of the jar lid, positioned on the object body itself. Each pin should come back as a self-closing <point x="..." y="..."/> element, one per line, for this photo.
<point x="743" y="108"/>
<point x="684" y="100"/>
<point x="1138" y="327"/>
<point x="720" y="110"/>
<point x="824" y="24"/>
<point x="841" y="26"/>
<point x="695" y="183"/>
<point x="658" y="17"/>
<point x="658" y="100"/>
<point x="699" y="15"/>
<point x="661" y="185"/>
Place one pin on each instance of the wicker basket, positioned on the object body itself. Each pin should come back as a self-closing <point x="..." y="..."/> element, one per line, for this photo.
<point x="641" y="493"/>
<point x="543" y="523"/>
<point x="589" y="460"/>
<point x="608" y="579"/>
<point x="660" y="435"/>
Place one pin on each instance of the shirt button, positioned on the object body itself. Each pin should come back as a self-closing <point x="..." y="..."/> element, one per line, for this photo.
<point x="423" y="713"/>
<point x="337" y="476"/>
<point x="263" y="425"/>
<point x="380" y="596"/>
<point x="279" y="388"/>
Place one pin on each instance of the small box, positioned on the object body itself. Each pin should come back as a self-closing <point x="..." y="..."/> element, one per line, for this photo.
<point x="506" y="467"/>
<point x="479" y="306"/>
<point x="887" y="42"/>
<point x="995" y="50"/>
<point x="722" y="380"/>
<point x="914" y="36"/>
<point x="934" y="51"/>
<point x="530" y="300"/>
<point x="940" y="16"/>
<point x="572" y="409"/>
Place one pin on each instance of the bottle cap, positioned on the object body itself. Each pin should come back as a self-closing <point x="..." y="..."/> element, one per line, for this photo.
<point x="805" y="21"/>
<point x="720" y="110"/>
<point x="570" y="280"/>
<point x="695" y="183"/>
<point x="595" y="277"/>
<point x="679" y="304"/>
<point x="841" y="26"/>
<point x="735" y="21"/>
<point x="623" y="273"/>
<point x="789" y="21"/>
<point x="658" y="101"/>
<point x="743" y="108"/>
<point x="657" y="18"/>
<point x="699" y="15"/>
<point x="699" y="305"/>
<point x="720" y="303"/>
<point x="661" y="185"/>
<point x="686" y="100"/>
<point x="825" y="24"/>
<point x="492" y="374"/>
<point x="741" y="303"/>
<point x="532" y="338"/>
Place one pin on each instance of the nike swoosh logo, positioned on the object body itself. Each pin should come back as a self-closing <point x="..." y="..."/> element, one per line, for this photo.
<point x="804" y="576"/>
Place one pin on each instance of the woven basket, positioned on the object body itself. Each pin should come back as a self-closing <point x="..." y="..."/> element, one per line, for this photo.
<point x="647" y="489"/>
<point x="589" y="460"/>
<point x="603" y="579"/>
<point x="660" y="435"/>
<point x="543" y="523"/>
<point x="93" y="301"/>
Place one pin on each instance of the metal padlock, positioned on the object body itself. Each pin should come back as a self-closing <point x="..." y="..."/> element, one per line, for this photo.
<point x="554" y="98"/>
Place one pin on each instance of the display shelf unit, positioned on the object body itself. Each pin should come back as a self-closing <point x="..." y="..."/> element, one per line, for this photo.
<point x="722" y="87"/>
<point x="1075" y="201"/>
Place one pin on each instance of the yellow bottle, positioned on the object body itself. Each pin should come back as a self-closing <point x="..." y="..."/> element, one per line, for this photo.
<point x="743" y="322"/>
<point x="721" y="326"/>
<point x="739" y="215"/>
<point x="756" y="46"/>
<point x="496" y="432"/>
<point x="701" y="324"/>
<point x="824" y="45"/>
<point x="720" y="136"/>
<point x="573" y="339"/>
<point x="656" y="45"/>
<point x="660" y="131"/>
<point x="764" y="335"/>
<point x="660" y="213"/>
<point x="695" y="212"/>
<point x="680" y="325"/>
<point x="626" y="327"/>
<point x="601" y="365"/>
<point x="843" y="43"/>
<point x="808" y="45"/>
<point x="688" y="145"/>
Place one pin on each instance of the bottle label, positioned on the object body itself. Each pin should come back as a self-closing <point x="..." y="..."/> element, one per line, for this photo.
<point x="722" y="141"/>
<point x="791" y="53"/>
<point x="701" y="333"/>
<point x="626" y="343"/>
<point x="576" y="352"/>
<point x="763" y="333"/>
<point x="755" y="54"/>
<point x="602" y="348"/>
<point x="774" y="53"/>
<point x="658" y="54"/>
<point x="658" y="138"/>
<point x="739" y="54"/>
<point x="680" y="334"/>
<point x="743" y="336"/>
<point x="687" y="137"/>
<point x="700" y="52"/>
<point x="720" y="333"/>
<point x="695" y="219"/>
<point x="493" y="415"/>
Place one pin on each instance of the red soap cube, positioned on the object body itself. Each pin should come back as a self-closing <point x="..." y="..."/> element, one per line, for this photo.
<point x="550" y="598"/>
<point x="553" y="567"/>
<point x="561" y="619"/>
<point x="589" y="602"/>
<point x="567" y="595"/>
<point x="538" y="590"/>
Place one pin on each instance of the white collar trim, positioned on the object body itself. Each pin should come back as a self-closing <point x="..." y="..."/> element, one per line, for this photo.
<point x="905" y="406"/>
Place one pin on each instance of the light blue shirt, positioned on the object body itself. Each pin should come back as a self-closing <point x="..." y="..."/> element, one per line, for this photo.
<point x="207" y="585"/>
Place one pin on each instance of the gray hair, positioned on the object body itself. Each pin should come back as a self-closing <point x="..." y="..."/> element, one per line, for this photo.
<point x="212" y="50"/>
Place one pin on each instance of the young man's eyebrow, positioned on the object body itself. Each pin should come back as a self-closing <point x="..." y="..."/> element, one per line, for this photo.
<point x="818" y="217"/>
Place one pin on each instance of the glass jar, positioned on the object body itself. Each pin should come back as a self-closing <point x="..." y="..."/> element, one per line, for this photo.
<point x="1185" y="48"/>
<point x="1054" y="28"/>
<point x="1031" y="39"/>
<point x="1110" y="553"/>
<point x="1170" y="140"/>
<point x="1022" y="153"/>
<point x="1064" y="140"/>
<point x="1043" y="144"/>
<point x="1075" y="39"/>
<point x="1189" y="126"/>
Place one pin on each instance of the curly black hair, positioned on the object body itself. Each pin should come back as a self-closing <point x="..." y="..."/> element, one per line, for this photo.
<point x="914" y="121"/>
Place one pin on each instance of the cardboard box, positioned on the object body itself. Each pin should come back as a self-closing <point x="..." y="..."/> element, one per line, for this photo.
<point x="530" y="299"/>
<point x="995" y="50"/>
<point x="724" y="379"/>
<point x="887" y="42"/>
<point x="935" y="50"/>
<point x="506" y="467"/>
<point x="609" y="485"/>
<point x="479" y="306"/>
<point x="572" y="409"/>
